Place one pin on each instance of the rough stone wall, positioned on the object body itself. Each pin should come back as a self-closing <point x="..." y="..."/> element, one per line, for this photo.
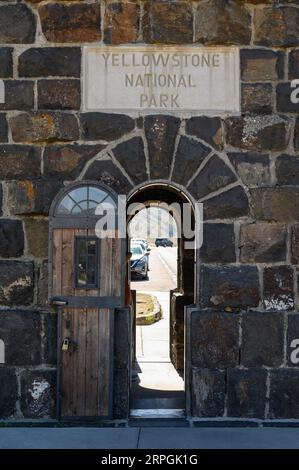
<point x="245" y="169"/>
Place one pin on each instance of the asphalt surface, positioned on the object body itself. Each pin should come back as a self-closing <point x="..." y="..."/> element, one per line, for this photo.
<point x="162" y="274"/>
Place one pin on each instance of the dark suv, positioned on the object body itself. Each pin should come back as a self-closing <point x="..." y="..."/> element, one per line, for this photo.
<point x="163" y="242"/>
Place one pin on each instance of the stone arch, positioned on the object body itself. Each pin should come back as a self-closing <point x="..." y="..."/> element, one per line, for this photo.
<point x="186" y="153"/>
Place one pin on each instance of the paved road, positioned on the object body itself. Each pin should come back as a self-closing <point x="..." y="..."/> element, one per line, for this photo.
<point x="149" y="438"/>
<point x="169" y="257"/>
<point x="162" y="274"/>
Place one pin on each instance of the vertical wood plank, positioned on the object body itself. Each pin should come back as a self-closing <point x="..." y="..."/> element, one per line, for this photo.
<point x="105" y="267"/>
<point x="92" y="363"/>
<point x="80" y="393"/>
<point x="68" y="363"/>
<point x="68" y="262"/>
<point x="105" y="360"/>
<point x="56" y="262"/>
<point x="116" y="268"/>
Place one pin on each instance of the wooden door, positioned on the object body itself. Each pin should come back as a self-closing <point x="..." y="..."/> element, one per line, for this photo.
<point x="86" y="286"/>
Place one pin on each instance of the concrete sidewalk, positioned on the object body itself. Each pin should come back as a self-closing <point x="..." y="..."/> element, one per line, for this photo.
<point x="149" y="438"/>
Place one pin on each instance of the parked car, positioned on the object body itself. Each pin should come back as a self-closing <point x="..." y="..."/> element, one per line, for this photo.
<point x="139" y="261"/>
<point x="163" y="242"/>
<point x="144" y="245"/>
<point x="142" y="241"/>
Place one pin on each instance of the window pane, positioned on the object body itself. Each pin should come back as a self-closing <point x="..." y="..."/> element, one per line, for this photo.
<point x="86" y="258"/>
<point x="83" y="201"/>
<point x="65" y="207"/>
<point x="79" y="194"/>
<point x="80" y="208"/>
<point x="92" y="247"/>
<point x="91" y="271"/>
<point x="96" y="195"/>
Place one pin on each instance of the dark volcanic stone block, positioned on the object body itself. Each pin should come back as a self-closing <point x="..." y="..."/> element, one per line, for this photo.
<point x="8" y="392"/>
<point x="16" y="282"/>
<point x="42" y="126"/>
<point x="208" y="392"/>
<point x="218" y="243"/>
<point x="19" y="95"/>
<point x="246" y="392"/>
<point x="214" y="339"/>
<point x="262" y="242"/>
<point x="295" y="244"/>
<point x="21" y="333"/>
<point x="6" y="65"/>
<point x="229" y="204"/>
<point x="257" y="133"/>
<point x="284" y="394"/>
<point x="59" y="94"/>
<point x="74" y="22"/>
<point x="122" y="23"/>
<point x="287" y="170"/>
<point x="230" y="286"/>
<point x="262" y="339"/>
<point x="257" y="98"/>
<point x="208" y="129"/>
<point x="280" y="204"/>
<point x="276" y="26"/>
<point x="130" y="155"/>
<point x="67" y="161"/>
<point x="222" y="22"/>
<point x="279" y="288"/>
<point x="167" y="22"/>
<point x="261" y="65"/>
<point x="17" y="24"/>
<point x="31" y="197"/>
<point x="161" y="132"/>
<point x="253" y="168"/>
<point x="107" y="172"/>
<point x="38" y="390"/>
<point x="97" y="126"/>
<point x="189" y="155"/>
<point x="50" y="61"/>
<point x="11" y="238"/>
<point x="213" y="176"/>
<point x="294" y="64"/>
<point x="3" y="128"/>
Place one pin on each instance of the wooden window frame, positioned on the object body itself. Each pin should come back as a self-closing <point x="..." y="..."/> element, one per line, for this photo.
<point x="76" y="259"/>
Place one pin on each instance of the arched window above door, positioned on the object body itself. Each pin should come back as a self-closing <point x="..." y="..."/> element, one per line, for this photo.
<point x="77" y="204"/>
<point x="83" y="201"/>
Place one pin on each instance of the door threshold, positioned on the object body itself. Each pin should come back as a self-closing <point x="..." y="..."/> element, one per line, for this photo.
<point x="158" y="413"/>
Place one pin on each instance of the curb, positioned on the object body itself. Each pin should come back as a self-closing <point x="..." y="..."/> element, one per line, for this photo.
<point x="152" y="317"/>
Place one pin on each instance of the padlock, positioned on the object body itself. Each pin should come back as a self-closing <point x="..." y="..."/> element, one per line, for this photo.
<point x="65" y="344"/>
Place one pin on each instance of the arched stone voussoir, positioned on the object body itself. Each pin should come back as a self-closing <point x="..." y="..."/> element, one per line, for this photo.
<point x="161" y="133"/>
<point x="105" y="171"/>
<point x="229" y="204"/>
<point x="189" y="156"/>
<point x="208" y="129"/>
<point x="213" y="176"/>
<point x="131" y="156"/>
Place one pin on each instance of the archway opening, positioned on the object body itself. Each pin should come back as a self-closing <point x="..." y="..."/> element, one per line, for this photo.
<point x="155" y="214"/>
